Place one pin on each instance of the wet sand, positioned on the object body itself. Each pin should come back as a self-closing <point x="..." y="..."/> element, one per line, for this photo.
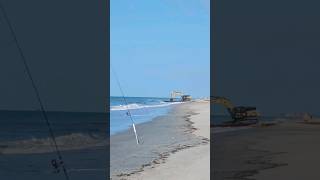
<point x="287" y="150"/>
<point x="88" y="163"/>
<point x="175" y="147"/>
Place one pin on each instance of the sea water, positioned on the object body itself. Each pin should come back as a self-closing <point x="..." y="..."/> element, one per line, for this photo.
<point x="142" y="109"/>
<point x="26" y="148"/>
<point x="29" y="128"/>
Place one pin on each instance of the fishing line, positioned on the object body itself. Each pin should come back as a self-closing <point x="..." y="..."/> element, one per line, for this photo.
<point x="54" y="162"/>
<point x="126" y="104"/>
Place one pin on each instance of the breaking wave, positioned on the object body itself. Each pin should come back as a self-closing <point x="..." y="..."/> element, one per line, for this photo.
<point x="140" y="106"/>
<point x="45" y="145"/>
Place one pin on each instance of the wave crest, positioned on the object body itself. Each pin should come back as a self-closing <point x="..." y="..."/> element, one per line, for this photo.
<point x="45" y="145"/>
<point x="140" y="106"/>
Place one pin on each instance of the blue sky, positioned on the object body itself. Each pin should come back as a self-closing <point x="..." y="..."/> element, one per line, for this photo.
<point x="160" y="45"/>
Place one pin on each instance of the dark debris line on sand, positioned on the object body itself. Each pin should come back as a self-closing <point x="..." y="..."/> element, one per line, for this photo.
<point x="173" y="148"/>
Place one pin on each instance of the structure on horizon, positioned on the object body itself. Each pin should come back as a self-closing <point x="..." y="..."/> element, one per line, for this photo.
<point x="184" y="97"/>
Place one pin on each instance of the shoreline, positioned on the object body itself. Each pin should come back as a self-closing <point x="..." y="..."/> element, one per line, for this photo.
<point x="189" y="163"/>
<point x="178" y="141"/>
<point x="142" y="112"/>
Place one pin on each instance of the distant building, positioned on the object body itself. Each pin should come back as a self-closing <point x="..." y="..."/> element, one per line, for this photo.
<point x="186" y="98"/>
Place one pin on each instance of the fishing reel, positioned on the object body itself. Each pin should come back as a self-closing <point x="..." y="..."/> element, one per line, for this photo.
<point x="56" y="164"/>
<point x="140" y="140"/>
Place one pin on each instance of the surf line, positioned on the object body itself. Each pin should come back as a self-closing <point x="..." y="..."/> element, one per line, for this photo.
<point x="126" y="104"/>
<point x="56" y="163"/>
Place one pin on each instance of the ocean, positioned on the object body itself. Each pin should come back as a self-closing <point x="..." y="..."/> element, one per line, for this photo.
<point x="26" y="147"/>
<point x="142" y="109"/>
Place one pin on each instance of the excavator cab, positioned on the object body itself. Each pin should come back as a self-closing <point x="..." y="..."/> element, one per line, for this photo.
<point x="243" y="113"/>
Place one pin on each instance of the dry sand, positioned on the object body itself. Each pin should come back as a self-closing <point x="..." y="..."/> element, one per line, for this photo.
<point x="192" y="163"/>
<point x="288" y="150"/>
<point x="299" y="150"/>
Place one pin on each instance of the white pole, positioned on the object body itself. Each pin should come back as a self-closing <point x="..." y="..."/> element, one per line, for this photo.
<point x="135" y="132"/>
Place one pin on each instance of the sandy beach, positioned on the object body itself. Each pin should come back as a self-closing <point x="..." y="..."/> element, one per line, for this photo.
<point x="178" y="148"/>
<point x="287" y="150"/>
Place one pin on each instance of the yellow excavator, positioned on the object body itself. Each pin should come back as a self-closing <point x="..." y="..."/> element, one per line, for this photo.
<point x="241" y="115"/>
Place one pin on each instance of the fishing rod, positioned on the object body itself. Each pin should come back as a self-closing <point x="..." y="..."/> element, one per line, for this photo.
<point x="55" y="163"/>
<point x="126" y="104"/>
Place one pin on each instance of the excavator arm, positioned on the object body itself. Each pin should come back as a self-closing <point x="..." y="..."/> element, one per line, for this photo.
<point x="226" y="103"/>
<point x="223" y="101"/>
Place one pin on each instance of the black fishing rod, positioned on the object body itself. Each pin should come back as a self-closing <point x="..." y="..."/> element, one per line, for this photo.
<point x="56" y="164"/>
<point x="126" y="104"/>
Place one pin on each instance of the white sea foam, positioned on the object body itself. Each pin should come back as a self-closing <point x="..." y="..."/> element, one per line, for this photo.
<point x="140" y="106"/>
<point x="43" y="145"/>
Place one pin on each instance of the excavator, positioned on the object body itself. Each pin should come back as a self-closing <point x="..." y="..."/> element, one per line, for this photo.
<point x="241" y="115"/>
